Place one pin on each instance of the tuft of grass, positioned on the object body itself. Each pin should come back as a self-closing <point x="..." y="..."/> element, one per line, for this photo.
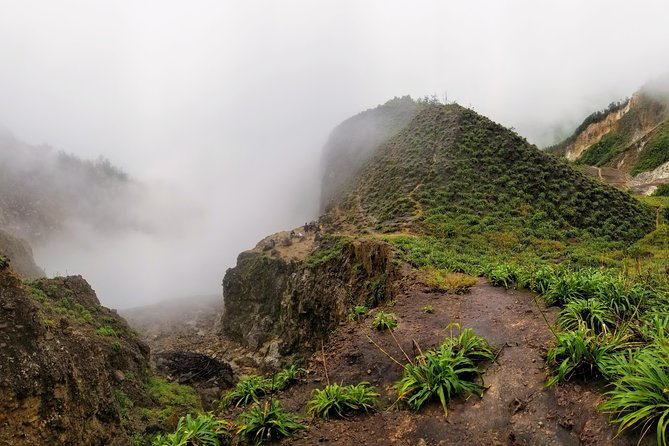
<point x="427" y="309"/>
<point x="592" y="313"/>
<point x="336" y="400"/>
<point x="357" y="313"/>
<point x="201" y="430"/>
<point x="582" y="351"/>
<point x="384" y="321"/>
<point x="640" y="397"/>
<point x="268" y="421"/>
<point x="451" y="369"/>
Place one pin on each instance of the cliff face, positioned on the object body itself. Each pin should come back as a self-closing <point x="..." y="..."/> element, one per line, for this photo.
<point x="279" y="306"/>
<point x="594" y="132"/>
<point x="60" y="378"/>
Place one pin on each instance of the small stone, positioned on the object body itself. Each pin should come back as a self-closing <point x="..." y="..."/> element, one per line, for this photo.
<point x="541" y="423"/>
<point x="421" y="442"/>
<point x="119" y="375"/>
<point x="369" y="371"/>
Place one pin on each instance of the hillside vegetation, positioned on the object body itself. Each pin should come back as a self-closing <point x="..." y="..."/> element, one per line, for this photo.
<point x="449" y="196"/>
<point x="469" y="183"/>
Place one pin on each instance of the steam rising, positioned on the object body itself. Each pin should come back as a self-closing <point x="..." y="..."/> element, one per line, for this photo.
<point x="217" y="111"/>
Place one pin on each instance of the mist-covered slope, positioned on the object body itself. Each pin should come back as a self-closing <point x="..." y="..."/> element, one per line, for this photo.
<point x="628" y="142"/>
<point x="354" y="140"/>
<point x="451" y="172"/>
<point x="41" y="190"/>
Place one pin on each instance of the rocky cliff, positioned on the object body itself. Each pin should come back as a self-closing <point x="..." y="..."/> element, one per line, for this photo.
<point x="279" y="305"/>
<point x="67" y="364"/>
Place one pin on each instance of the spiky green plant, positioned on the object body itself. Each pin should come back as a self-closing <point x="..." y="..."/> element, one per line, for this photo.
<point x="357" y="313"/>
<point x="384" y="321"/>
<point x="268" y="421"/>
<point x="504" y="274"/>
<point x="449" y="370"/>
<point x="202" y="430"/>
<point x="592" y="313"/>
<point x="336" y="400"/>
<point x="584" y="351"/>
<point x="640" y="397"/>
<point x="248" y="389"/>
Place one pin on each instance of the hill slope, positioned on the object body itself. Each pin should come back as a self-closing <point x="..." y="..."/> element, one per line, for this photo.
<point x="451" y="171"/>
<point x="630" y="140"/>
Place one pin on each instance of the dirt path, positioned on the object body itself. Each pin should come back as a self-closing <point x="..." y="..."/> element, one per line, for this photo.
<point x="515" y="410"/>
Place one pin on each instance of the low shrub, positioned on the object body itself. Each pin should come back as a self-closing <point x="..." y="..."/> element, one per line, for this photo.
<point x="357" y="313"/>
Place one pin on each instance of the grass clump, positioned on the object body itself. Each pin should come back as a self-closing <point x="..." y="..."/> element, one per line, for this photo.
<point x="108" y="331"/>
<point x="268" y="421"/>
<point x="384" y="321"/>
<point x="451" y="369"/>
<point x="357" y="313"/>
<point x="200" y="430"/>
<point x="336" y="400"/>
<point x="640" y="397"/>
<point x="427" y="309"/>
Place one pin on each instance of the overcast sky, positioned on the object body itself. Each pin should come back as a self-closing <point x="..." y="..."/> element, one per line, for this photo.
<point x="230" y="102"/>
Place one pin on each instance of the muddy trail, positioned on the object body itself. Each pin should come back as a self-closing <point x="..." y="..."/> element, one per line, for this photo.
<point x="516" y="409"/>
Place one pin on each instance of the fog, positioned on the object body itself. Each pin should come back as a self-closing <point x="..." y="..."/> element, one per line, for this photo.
<point x="220" y="109"/>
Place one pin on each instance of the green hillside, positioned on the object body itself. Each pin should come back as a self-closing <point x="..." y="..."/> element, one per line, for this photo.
<point x="451" y="172"/>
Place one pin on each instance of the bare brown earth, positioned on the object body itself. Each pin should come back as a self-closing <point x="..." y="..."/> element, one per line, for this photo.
<point x="515" y="410"/>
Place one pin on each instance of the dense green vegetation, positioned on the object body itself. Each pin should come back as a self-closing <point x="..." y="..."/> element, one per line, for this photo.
<point x="268" y="421"/>
<point x="614" y="325"/>
<point x="252" y="388"/>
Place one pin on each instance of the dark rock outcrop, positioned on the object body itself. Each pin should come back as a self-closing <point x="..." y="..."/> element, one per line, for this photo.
<point x="284" y="306"/>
